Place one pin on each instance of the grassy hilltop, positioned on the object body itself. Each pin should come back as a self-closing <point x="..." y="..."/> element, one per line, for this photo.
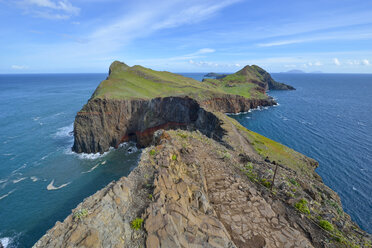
<point x="125" y="82"/>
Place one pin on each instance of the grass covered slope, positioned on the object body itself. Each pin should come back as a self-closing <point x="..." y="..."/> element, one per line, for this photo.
<point x="252" y="80"/>
<point x="125" y="82"/>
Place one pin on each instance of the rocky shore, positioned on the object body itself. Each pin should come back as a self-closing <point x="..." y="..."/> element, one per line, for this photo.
<point x="203" y="180"/>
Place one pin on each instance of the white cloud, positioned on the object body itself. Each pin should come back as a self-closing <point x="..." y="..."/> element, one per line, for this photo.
<point x="49" y="9"/>
<point x="205" y="50"/>
<point x="336" y="61"/>
<point x="280" y="43"/>
<point x="365" y="62"/>
<point x="19" y="67"/>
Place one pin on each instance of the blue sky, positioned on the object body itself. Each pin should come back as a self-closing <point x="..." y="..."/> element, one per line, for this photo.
<point x="54" y="36"/>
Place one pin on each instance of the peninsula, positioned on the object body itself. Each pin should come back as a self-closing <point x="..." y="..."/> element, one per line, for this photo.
<point x="203" y="180"/>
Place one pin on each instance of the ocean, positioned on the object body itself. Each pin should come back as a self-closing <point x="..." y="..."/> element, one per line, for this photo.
<point x="328" y="117"/>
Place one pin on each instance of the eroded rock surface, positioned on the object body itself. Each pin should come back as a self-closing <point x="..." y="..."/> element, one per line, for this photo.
<point x="192" y="191"/>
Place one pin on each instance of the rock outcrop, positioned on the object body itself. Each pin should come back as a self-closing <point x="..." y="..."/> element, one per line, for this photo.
<point x="203" y="180"/>
<point x="193" y="191"/>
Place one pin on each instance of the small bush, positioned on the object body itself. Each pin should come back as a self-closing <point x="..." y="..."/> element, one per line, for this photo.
<point x="174" y="157"/>
<point x="150" y="196"/>
<point x="265" y="183"/>
<point x="293" y="181"/>
<point x="302" y="206"/>
<point x="226" y="155"/>
<point x="182" y="135"/>
<point x="136" y="224"/>
<point x="81" y="213"/>
<point x="152" y="152"/>
<point x="326" y="225"/>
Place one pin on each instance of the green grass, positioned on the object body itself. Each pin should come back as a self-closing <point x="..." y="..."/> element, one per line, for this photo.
<point x="174" y="157"/>
<point x="126" y="82"/>
<point x="136" y="224"/>
<point x="277" y="152"/>
<point x="80" y="214"/>
<point x="152" y="152"/>
<point x="302" y="206"/>
<point x="326" y="225"/>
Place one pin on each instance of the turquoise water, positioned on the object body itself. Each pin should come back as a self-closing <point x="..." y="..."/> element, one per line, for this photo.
<point x="328" y="118"/>
<point x="36" y="117"/>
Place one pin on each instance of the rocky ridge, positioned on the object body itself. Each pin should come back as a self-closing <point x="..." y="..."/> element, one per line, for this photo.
<point x="203" y="179"/>
<point x="193" y="191"/>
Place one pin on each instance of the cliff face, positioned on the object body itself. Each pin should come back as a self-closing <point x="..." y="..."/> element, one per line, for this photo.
<point x="102" y="123"/>
<point x="133" y="103"/>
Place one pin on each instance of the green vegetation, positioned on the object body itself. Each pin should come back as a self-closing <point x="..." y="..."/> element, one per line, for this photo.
<point x="326" y="225"/>
<point x="80" y="214"/>
<point x="302" y="206"/>
<point x="152" y="152"/>
<point x="136" y="224"/>
<point x="275" y="151"/>
<point x="265" y="183"/>
<point x="150" y="196"/>
<point x="126" y="82"/>
<point x="174" y="157"/>
<point x="335" y="206"/>
<point x="294" y="182"/>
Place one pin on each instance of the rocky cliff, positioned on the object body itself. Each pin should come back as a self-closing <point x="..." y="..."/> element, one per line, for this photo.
<point x="203" y="180"/>
<point x="193" y="191"/>
<point x="130" y="106"/>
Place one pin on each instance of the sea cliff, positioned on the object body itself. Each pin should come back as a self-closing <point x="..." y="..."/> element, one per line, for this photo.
<point x="203" y="180"/>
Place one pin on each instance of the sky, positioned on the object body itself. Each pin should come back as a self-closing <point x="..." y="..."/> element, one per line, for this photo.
<point x="85" y="36"/>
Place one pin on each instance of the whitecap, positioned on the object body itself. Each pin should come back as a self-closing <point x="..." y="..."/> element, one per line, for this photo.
<point x="34" y="179"/>
<point x="19" y="180"/>
<point x="92" y="169"/>
<point x="36" y="118"/>
<point x="52" y="187"/>
<point x="5" y="241"/>
<point x="132" y="149"/>
<point x="248" y="117"/>
<point x="20" y="168"/>
<point x="10" y="192"/>
<point x="3" y="181"/>
<point x="354" y="188"/>
<point x="89" y="156"/>
<point x="104" y="162"/>
<point x="64" y="132"/>
<point x="7" y="154"/>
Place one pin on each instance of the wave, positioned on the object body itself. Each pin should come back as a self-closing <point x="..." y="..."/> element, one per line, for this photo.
<point x="36" y="118"/>
<point x="94" y="167"/>
<point x="65" y="132"/>
<point x="19" y="180"/>
<point x="10" y="192"/>
<point x="52" y="187"/>
<point x="5" y="241"/>
<point x="34" y="179"/>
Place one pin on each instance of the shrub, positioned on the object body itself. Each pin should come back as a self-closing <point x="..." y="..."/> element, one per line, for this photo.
<point x="152" y="152"/>
<point x="136" y="224"/>
<point x="293" y="181"/>
<point x="81" y="213"/>
<point x="174" y="157"/>
<point x="265" y="183"/>
<point x="302" y="206"/>
<point x="326" y="225"/>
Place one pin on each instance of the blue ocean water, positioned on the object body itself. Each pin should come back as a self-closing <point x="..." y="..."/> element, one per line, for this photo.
<point x="328" y="118"/>
<point x="36" y="118"/>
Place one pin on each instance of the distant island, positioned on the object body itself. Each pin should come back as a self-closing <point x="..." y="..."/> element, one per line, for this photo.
<point x="215" y="75"/>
